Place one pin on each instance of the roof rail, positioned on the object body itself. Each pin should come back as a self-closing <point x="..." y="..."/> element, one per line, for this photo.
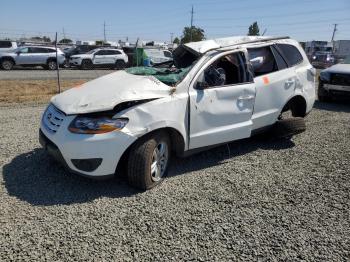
<point x="252" y="41"/>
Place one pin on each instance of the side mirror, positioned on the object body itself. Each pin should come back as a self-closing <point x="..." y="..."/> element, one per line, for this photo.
<point x="18" y="52"/>
<point x="201" y="85"/>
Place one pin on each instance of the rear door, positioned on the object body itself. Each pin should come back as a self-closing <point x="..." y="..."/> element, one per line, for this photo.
<point x="221" y="101"/>
<point x="275" y="84"/>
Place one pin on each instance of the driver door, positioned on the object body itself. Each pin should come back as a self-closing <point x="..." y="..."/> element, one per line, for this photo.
<point x="222" y="99"/>
<point x="99" y="57"/>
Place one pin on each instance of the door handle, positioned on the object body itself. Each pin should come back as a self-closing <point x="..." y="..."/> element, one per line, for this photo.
<point x="246" y="97"/>
<point x="290" y="82"/>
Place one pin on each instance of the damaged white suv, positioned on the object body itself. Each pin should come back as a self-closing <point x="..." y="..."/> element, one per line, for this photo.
<point x="216" y="91"/>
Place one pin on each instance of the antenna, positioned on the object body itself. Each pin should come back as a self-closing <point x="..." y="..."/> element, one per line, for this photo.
<point x="57" y="67"/>
<point x="64" y="34"/>
<point x="191" y="24"/>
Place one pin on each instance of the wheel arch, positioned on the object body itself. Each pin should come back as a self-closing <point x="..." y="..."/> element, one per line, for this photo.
<point x="297" y="104"/>
<point x="176" y="139"/>
<point x="8" y="58"/>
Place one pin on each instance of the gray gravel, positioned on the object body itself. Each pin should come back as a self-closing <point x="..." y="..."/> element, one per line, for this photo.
<point x="40" y="74"/>
<point x="255" y="200"/>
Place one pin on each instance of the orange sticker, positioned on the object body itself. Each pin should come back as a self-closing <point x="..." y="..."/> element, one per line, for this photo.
<point x="266" y="80"/>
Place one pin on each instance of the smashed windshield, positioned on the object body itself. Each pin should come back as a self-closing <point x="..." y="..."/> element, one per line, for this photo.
<point x="183" y="61"/>
<point x="169" y="76"/>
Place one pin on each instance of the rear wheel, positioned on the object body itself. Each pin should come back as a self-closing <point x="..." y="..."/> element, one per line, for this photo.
<point x="7" y="64"/>
<point x="148" y="161"/>
<point x="86" y="64"/>
<point x="120" y="64"/>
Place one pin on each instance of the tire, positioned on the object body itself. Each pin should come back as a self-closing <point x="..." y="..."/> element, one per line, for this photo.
<point x="120" y="65"/>
<point x="7" y="64"/>
<point x="86" y="64"/>
<point x="323" y="95"/>
<point x="51" y="65"/>
<point x="286" y="128"/>
<point x="149" y="160"/>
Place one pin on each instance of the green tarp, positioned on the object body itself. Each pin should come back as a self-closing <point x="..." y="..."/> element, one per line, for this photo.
<point x="165" y="75"/>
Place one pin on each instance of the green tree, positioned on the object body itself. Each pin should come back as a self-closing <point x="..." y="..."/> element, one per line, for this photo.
<point x="176" y="41"/>
<point x="196" y="32"/>
<point x="254" y="29"/>
<point x="65" y="41"/>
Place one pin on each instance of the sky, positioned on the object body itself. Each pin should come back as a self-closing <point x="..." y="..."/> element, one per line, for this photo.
<point x="158" y="20"/>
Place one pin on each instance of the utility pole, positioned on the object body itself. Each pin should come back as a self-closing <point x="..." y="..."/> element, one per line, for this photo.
<point x="104" y="31"/>
<point x="171" y="38"/>
<point x="191" y="24"/>
<point x="64" y="34"/>
<point x="334" y="30"/>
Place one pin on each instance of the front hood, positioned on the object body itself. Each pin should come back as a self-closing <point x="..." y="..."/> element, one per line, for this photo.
<point x="106" y="92"/>
<point x="338" y="68"/>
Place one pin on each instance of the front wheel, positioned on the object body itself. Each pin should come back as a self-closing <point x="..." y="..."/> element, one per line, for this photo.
<point x="86" y="64"/>
<point x="120" y="64"/>
<point x="51" y="65"/>
<point x="148" y="161"/>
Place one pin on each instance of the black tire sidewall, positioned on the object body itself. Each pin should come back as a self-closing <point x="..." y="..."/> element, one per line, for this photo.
<point x="140" y="160"/>
<point x="7" y="60"/>
<point x="50" y="62"/>
<point x="120" y="65"/>
<point x="86" y="64"/>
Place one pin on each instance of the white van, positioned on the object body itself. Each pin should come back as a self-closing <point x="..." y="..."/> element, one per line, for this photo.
<point x="216" y="91"/>
<point x="7" y="46"/>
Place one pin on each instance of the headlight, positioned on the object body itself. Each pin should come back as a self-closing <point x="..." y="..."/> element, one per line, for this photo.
<point x="96" y="125"/>
<point x="325" y="76"/>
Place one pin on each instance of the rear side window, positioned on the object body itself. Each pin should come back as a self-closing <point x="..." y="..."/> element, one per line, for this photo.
<point x="114" y="52"/>
<point x="262" y="60"/>
<point x="5" y="44"/>
<point x="291" y="54"/>
<point x="281" y="63"/>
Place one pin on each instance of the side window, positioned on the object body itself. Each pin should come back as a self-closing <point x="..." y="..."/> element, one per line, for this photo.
<point x="291" y="53"/>
<point x="262" y="60"/>
<point x="116" y="52"/>
<point x="281" y="63"/>
<point x="101" y="52"/>
<point x="167" y="54"/>
<point x="226" y="70"/>
<point x="5" y="44"/>
<point x="24" y="50"/>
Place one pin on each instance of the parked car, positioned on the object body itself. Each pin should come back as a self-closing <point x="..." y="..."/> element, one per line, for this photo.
<point x="218" y="91"/>
<point x="81" y="49"/>
<point x="322" y="59"/>
<point x="7" y="46"/>
<point x="100" y="57"/>
<point x="32" y="56"/>
<point x="334" y="81"/>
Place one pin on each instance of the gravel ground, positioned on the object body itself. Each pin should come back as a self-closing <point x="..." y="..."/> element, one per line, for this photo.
<point x="40" y="74"/>
<point x="256" y="199"/>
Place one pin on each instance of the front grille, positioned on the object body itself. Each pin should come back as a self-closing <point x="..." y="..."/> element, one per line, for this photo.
<point x="340" y="79"/>
<point x="52" y="119"/>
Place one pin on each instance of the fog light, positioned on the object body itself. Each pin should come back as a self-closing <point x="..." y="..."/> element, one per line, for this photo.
<point x="87" y="165"/>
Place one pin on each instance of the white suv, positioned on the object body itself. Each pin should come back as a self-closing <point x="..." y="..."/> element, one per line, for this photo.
<point x="115" y="58"/>
<point x="217" y="91"/>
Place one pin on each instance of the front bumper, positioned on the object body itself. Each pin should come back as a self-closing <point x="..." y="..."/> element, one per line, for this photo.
<point x="79" y="153"/>
<point x="337" y="89"/>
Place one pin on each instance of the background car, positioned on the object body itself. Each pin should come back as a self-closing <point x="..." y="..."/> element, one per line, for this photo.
<point x="334" y="81"/>
<point x="32" y="56"/>
<point x="7" y="46"/>
<point x="100" y="57"/>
